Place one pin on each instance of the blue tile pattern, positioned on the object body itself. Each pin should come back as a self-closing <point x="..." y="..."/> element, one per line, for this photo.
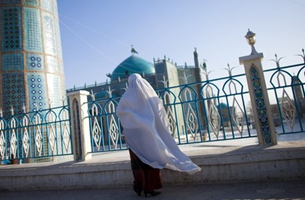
<point x="12" y="61"/>
<point x="260" y="105"/>
<point x="31" y="65"/>
<point x="31" y="2"/>
<point x="49" y="34"/>
<point x="47" y="5"/>
<point x="13" y="92"/>
<point x="34" y="62"/>
<point x="32" y="27"/>
<point x="37" y="91"/>
<point x="11" y="33"/>
<point x="10" y="1"/>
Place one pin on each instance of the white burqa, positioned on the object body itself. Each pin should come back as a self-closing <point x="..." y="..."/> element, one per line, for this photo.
<point x="146" y="128"/>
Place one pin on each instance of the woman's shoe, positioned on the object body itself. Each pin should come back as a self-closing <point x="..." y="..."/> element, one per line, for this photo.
<point x="137" y="188"/>
<point x="153" y="193"/>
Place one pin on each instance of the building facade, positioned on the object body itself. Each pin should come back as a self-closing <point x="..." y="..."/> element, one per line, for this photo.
<point x="31" y="66"/>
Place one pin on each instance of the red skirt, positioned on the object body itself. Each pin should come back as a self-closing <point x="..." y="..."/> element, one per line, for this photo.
<point x="146" y="177"/>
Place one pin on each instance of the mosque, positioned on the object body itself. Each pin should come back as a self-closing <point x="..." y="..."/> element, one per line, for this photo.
<point x="160" y="74"/>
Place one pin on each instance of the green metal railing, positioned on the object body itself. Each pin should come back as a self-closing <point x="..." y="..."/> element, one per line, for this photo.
<point x="212" y="110"/>
<point x="36" y="136"/>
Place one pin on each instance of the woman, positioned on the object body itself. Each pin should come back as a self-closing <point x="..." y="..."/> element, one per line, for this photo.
<point x="146" y="130"/>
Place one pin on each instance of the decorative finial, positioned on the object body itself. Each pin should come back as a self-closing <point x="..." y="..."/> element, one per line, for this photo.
<point x="133" y="51"/>
<point x="63" y="99"/>
<point x="277" y="61"/>
<point x="302" y="55"/>
<point x="229" y="69"/>
<point x="92" y="95"/>
<point x="109" y="92"/>
<point x="164" y="82"/>
<point x="251" y="41"/>
<point x="206" y="73"/>
<point x="185" y="77"/>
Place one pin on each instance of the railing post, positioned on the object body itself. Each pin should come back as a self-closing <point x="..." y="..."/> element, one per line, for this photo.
<point x="80" y="125"/>
<point x="258" y="94"/>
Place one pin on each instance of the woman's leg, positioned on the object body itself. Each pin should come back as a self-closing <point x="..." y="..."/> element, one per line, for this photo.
<point x="146" y="177"/>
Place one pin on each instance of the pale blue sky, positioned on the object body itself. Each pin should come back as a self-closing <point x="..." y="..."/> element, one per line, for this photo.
<point x="97" y="34"/>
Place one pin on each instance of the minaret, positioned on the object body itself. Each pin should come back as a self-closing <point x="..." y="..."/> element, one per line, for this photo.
<point x="198" y="74"/>
<point x="196" y="61"/>
<point x="31" y="67"/>
<point x="298" y="94"/>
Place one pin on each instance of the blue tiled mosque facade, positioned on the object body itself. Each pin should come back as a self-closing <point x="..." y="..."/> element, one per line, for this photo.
<point x="31" y="72"/>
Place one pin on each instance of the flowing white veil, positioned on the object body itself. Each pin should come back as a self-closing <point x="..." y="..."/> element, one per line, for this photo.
<point x="146" y="128"/>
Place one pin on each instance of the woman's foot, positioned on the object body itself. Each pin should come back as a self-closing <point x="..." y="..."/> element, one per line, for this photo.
<point x="153" y="193"/>
<point x="137" y="188"/>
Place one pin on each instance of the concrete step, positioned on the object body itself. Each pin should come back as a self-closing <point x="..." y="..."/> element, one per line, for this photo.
<point x="220" y="162"/>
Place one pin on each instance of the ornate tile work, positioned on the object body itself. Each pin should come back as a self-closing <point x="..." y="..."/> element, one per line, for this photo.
<point x="10" y="1"/>
<point x="49" y="34"/>
<point x="36" y="91"/>
<point x="47" y="5"/>
<point x="34" y="62"/>
<point x="32" y="27"/>
<point x="11" y="29"/>
<point x="52" y="64"/>
<point x="54" y="89"/>
<point x="12" y="62"/>
<point x="13" y="93"/>
<point x="260" y="105"/>
<point x="31" y="2"/>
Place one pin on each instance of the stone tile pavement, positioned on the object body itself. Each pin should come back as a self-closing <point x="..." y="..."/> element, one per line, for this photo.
<point x="281" y="189"/>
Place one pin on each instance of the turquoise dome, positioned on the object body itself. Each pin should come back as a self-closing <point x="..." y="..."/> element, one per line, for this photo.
<point x="222" y="105"/>
<point x="130" y="65"/>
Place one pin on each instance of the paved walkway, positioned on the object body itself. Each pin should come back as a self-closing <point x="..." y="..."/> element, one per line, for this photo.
<point x="288" y="189"/>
